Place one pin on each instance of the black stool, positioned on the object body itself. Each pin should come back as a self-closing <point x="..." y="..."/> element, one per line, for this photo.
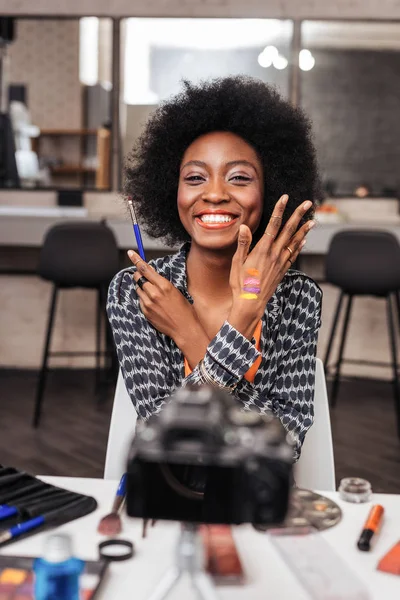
<point x="76" y="254"/>
<point x="365" y="263"/>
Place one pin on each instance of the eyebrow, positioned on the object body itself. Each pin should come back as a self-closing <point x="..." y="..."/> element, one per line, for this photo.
<point x="232" y="163"/>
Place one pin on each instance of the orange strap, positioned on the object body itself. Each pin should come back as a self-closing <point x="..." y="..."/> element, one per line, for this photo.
<point x="251" y="373"/>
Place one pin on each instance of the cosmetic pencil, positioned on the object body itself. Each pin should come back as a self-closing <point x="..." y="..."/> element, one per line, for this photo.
<point x="136" y="229"/>
<point x="32" y="506"/>
<point x="52" y="517"/>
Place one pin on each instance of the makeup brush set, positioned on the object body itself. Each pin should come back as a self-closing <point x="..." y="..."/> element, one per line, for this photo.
<point x="29" y="505"/>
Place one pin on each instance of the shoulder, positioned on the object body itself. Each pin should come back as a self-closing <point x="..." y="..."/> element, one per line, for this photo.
<point x="299" y="299"/>
<point x="298" y="284"/>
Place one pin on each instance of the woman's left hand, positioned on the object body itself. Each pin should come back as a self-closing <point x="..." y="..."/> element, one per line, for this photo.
<point x="162" y="304"/>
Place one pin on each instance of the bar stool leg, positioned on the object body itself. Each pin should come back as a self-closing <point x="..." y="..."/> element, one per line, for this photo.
<point x="333" y="330"/>
<point x="336" y="381"/>
<point x="43" y="370"/>
<point x="393" y="347"/>
<point x="397" y="296"/>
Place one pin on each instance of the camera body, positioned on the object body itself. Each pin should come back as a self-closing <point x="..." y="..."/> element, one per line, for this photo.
<point x="240" y="461"/>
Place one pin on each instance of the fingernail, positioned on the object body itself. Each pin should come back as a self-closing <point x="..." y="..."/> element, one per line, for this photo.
<point x="303" y="243"/>
<point x="311" y="225"/>
<point x="307" y="205"/>
<point x="284" y="198"/>
<point x="130" y="253"/>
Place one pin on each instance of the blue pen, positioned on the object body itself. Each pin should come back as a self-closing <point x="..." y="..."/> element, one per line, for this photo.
<point x="136" y="229"/>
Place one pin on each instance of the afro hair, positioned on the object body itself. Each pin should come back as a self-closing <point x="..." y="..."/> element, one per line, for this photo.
<point x="247" y="107"/>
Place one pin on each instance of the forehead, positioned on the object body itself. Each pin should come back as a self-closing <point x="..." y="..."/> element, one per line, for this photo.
<point x="220" y="144"/>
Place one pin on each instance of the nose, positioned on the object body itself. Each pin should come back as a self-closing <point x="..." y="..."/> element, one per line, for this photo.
<point x="215" y="191"/>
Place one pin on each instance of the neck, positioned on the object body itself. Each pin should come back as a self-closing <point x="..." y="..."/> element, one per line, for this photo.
<point x="208" y="272"/>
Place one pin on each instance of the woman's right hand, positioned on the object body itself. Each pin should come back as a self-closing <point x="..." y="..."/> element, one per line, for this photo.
<point x="271" y="257"/>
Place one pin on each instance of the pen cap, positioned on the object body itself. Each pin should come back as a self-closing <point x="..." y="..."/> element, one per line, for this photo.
<point x="57" y="548"/>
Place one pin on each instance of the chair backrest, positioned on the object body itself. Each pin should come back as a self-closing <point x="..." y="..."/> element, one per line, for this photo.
<point x="122" y="431"/>
<point x="364" y="262"/>
<point x="315" y="469"/>
<point x="79" y="254"/>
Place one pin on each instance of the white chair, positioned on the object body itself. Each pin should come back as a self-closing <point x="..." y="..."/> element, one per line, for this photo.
<point x="314" y="470"/>
<point x="122" y="431"/>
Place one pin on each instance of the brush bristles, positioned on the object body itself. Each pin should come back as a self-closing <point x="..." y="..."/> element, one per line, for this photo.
<point x="110" y="524"/>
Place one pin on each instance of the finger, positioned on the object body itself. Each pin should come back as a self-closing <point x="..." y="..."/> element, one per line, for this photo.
<point x="293" y="249"/>
<point x="290" y="229"/>
<point x="299" y="236"/>
<point x="144" y="285"/>
<point x="145" y="269"/>
<point x="244" y="241"/>
<point x="144" y="300"/>
<point x="275" y="221"/>
<point x="242" y="250"/>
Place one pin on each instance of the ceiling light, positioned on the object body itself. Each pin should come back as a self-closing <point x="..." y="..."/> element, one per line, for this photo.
<point x="280" y="62"/>
<point x="306" y="60"/>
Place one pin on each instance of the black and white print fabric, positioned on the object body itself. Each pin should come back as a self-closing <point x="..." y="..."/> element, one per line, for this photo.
<point x="152" y="365"/>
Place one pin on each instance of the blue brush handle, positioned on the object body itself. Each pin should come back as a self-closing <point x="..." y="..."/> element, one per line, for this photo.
<point x="122" y="486"/>
<point x="7" y="511"/>
<point x="139" y="240"/>
<point x="25" y="526"/>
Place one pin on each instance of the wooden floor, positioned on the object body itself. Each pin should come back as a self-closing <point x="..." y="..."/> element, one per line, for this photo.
<point x="72" y="437"/>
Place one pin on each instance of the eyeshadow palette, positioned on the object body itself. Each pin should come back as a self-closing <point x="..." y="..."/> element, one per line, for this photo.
<point x="17" y="578"/>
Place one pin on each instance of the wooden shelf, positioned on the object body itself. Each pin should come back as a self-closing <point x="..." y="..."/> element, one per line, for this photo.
<point x="70" y="169"/>
<point x="78" y="132"/>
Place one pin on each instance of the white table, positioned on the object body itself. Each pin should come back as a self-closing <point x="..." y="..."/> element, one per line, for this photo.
<point x="268" y="576"/>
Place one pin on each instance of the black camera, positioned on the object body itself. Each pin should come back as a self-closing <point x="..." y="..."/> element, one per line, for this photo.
<point x="204" y="460"/>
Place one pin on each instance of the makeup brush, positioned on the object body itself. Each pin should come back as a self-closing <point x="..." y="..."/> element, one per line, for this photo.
<point x="111" y="524"/>
<point x="136" y="229"/>
<point x="34" y="506"/>
<point x="52" y="517"/>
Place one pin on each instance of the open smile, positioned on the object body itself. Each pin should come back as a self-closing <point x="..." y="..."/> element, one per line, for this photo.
<point x="215" y="220"/>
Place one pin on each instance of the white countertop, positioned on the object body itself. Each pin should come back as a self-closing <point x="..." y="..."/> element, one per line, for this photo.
<point x="27" y="226"/>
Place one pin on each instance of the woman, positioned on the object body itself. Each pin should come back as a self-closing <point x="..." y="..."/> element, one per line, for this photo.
<point x="228" y="167"/>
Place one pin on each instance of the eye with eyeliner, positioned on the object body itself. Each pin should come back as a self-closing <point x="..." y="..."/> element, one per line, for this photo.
<point x="240" y="179"/>
<point x="194" y="179"/>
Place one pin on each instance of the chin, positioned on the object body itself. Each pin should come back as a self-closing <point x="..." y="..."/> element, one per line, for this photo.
<point x="215" y="242"/>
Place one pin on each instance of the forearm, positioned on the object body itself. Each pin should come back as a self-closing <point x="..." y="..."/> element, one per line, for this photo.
<point x="192" y="341"/>
<point x="244" y="316"/>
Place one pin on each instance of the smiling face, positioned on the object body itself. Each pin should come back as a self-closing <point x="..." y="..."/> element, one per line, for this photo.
<point x="220" y="188"/>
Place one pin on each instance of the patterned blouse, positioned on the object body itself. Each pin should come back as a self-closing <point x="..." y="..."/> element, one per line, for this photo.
<point x="153" y="366"/>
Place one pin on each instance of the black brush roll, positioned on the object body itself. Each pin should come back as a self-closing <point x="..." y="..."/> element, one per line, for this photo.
<point x="32" y="497"/>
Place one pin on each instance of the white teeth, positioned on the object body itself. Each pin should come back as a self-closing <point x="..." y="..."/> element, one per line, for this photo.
<point x="216" y="218"/>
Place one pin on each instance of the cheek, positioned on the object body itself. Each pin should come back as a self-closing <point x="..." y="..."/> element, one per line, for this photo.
<point x="180" y="200"/>
<point x="256" y="206"/>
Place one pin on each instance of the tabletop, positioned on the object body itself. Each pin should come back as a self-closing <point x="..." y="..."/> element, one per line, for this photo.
<point x="267" y="575"/>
